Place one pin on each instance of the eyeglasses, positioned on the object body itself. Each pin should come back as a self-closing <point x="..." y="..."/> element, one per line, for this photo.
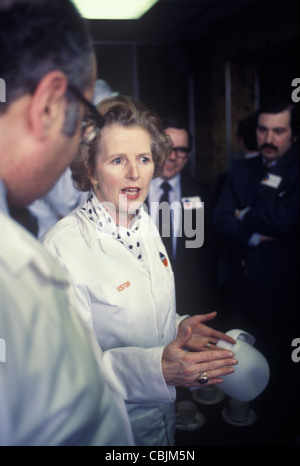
<point x="92" y="122"/>
<point x="181" y="152"/>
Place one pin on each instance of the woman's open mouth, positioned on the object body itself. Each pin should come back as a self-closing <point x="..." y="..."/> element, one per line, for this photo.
<point x="131" y="193"/>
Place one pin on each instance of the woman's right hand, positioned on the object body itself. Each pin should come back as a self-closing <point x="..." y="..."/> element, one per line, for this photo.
<point x="182" y="368"/>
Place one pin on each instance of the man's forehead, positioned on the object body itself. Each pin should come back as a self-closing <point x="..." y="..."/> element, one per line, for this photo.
<point x="178" y="133"/>
<point x="282" y="119"/>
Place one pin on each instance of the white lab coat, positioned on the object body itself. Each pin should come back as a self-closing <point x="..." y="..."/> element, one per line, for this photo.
<point x="132" y="312"/>
<point x="51" y="389"/>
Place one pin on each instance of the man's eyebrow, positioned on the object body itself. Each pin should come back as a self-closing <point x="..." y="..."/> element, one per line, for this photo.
<point x="273" y="127"/>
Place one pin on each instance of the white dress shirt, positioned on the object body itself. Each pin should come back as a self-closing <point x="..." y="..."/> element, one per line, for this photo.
<point x="57" y="203"/>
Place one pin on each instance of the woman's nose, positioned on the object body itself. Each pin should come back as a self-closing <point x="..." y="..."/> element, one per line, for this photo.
<point x="132" y="172"/>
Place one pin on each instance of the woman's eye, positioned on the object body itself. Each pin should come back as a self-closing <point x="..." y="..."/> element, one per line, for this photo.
<point x="117" y="161"/>
<point x="145" y="159"/>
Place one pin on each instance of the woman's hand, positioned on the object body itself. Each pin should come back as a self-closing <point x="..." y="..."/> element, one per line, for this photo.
<point x="182" y="368"/>
<point x="203" y="337"/>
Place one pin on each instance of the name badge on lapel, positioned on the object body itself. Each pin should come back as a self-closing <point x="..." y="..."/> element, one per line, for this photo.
<point x="273" y="181"/>
<point x="193" y="202"/>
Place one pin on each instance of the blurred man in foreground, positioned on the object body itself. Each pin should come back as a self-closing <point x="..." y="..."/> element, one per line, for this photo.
<point x="51" y="388"/>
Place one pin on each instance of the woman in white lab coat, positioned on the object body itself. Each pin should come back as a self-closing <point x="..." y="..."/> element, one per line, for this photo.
<point x="123" y="279"/>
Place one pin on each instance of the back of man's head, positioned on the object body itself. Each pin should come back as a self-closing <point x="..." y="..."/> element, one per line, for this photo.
<point x="38" y="36"/>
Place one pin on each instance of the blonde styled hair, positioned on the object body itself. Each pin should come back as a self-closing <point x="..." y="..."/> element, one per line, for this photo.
<point x="127" y="112"/>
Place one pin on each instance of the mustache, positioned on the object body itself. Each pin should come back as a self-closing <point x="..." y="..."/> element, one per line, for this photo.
<point x="266" y="145"/>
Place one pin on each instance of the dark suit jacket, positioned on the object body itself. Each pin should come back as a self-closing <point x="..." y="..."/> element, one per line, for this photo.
<point x="193" y="266"/>
<point x="271" y="268"/>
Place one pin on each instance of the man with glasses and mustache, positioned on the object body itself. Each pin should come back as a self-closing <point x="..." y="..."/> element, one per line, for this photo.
<point x="52" y="391"/>
<point x="257" y="216"/>
<point x="188" y="237"/>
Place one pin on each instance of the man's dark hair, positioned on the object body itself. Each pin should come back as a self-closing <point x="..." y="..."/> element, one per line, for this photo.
<point x="37" y="37"/>
<point x="278" y="105"/>
<point x="173" y="122"/>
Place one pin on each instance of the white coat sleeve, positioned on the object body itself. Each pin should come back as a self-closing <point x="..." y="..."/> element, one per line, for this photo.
<point x="137" y="374"/>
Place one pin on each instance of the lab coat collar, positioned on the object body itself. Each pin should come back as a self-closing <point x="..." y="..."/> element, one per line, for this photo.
<point x="3" y="205"/>
<point x="110" y="245"/>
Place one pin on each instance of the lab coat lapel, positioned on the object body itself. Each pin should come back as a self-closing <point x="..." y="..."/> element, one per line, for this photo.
<point x="115" y="249"/>
<point x="109" y="245"/>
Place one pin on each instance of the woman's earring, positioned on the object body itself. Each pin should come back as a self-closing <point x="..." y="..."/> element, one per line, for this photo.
<point x="95" y="185"/>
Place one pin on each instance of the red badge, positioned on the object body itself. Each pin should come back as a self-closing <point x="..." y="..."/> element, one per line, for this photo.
<point x="163" y="259"/>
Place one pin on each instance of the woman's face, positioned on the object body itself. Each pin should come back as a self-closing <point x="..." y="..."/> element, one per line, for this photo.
<point x="123" y="170"/>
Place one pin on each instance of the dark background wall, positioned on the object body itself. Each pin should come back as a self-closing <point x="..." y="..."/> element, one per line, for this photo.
<point x="213" y="81"/>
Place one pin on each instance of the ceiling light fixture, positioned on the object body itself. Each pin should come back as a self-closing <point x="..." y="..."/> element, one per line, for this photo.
<point x="113" y="9"/>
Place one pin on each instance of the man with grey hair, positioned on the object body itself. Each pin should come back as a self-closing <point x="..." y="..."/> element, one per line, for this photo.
<point x="52" y="390"/>
<point x="63" y="197"/>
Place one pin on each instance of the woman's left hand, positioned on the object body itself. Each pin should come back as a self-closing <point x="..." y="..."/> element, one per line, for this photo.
<point x="183" y="368"/>
<point x="203" y="337"/>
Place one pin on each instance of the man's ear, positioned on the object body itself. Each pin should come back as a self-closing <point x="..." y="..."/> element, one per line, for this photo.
<point x="48" y="103"/>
